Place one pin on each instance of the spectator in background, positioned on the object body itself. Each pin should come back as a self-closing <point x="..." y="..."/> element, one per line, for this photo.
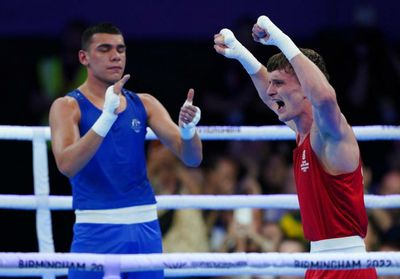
<point x="385" y="219"/>
<point x="221" y="177"/>
<point x="184" y="230"/>
<point x="58" y="73"/>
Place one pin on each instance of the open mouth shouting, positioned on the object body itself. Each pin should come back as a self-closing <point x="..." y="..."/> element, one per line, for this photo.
<point x="280" y="104"/>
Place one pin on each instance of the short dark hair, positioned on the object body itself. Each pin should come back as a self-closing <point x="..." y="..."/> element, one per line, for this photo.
<point x="280" y="62"/>
<point x="104" y="27"/>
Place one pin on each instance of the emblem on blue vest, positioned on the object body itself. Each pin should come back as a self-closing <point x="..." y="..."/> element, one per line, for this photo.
<point x="136" y="125"/>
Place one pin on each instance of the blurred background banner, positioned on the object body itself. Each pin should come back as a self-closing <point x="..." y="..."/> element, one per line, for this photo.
<point x="180" y="19"/>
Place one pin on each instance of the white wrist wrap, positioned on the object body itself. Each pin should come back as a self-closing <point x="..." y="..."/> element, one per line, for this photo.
<point x="237" y="51"/>
<point x="107" y="118"/>
<point x="278" y="38"/>
<point x="188" y="130"/>
<point x="103" y="123"/>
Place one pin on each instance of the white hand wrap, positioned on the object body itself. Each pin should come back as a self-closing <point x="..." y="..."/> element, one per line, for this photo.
<point x="107" y="118"/>
<point x="237" y="51"/>
<point x="188" y="130"/>
<point x="277" y="38"/>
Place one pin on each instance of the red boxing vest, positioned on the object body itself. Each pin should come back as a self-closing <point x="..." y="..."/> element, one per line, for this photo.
<point x="331" y="206"/>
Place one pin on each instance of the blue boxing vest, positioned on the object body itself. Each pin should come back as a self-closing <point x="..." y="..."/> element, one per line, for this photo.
<point x="116" y="176"/>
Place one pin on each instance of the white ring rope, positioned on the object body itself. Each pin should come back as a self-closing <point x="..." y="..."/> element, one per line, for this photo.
<point x="280" y="201"/>
<point x="212" y="262"/>
<point x="15" y="272"/>
<point x="277" y="132"/>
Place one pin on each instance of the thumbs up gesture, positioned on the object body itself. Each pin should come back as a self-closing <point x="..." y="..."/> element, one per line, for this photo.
<point x="189" y="116"/>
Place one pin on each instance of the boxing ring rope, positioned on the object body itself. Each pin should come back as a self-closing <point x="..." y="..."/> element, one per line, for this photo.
<point x="273" y="132"/>
<point x="43" y="203"/>
<point x="216" y="202"/>
<point x="214" y="263"/>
